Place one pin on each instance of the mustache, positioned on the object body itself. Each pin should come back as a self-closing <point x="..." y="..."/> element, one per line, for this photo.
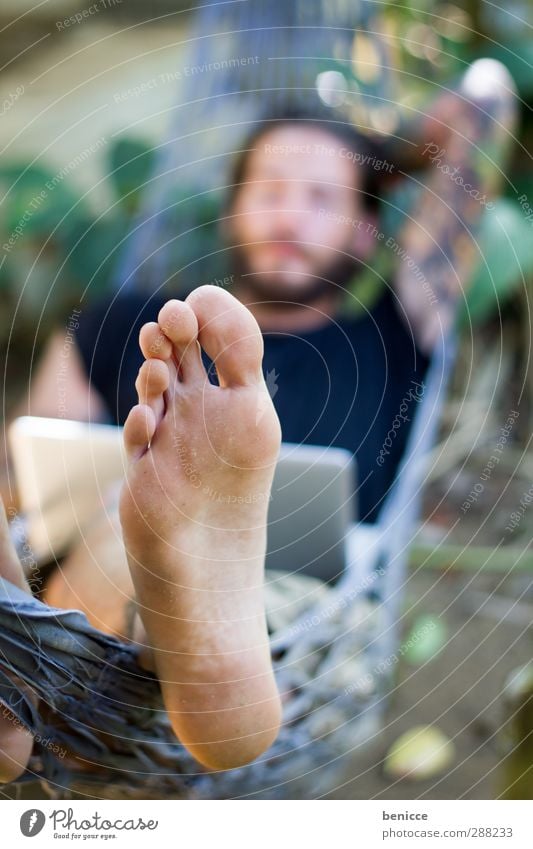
<point x="335" y="275"/>
<point x="291" y="245"/>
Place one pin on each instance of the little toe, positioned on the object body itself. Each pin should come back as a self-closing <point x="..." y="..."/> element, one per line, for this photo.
<point x="229" y="334"/>
<point x="139" y="429"/>
<point x="178" y="323"/>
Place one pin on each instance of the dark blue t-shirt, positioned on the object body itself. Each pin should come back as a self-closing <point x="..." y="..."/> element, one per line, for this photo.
<point x="354" y="383"/>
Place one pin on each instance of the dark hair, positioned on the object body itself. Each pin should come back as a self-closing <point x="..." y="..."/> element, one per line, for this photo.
<point x="341" y="130"/>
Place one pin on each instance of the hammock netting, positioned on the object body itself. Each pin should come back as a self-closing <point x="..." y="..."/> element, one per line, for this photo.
<point x="101" y="728"/>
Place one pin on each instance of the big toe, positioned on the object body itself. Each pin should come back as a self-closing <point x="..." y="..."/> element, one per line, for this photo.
<point x="229" y="334"/>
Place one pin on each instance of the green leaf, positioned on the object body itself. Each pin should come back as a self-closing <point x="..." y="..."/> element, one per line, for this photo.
<point x="426" y="638"/>
<point x="506" y="243"/>
<point x="517" y="56"/>
<point x="422" y="752"/>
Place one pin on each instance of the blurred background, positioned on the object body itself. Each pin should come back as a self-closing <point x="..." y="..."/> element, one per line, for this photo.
<point x="118" y="120"/>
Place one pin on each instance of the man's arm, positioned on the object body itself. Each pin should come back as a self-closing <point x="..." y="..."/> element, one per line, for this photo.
<point x="60" y="388"/>
<point x="463" y="140"/>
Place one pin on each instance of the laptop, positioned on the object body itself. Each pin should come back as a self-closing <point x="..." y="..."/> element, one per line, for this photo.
<point x="311" y="510"/>
<point x="63" y="470"/>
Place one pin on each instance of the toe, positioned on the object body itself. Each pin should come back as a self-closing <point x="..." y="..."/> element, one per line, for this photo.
<point x="139" y="429"/>
<point x="179" y="325"/>
<point x="151" y="384"/>
<point x="229" y="334"/>
<point x="154" y="343"/>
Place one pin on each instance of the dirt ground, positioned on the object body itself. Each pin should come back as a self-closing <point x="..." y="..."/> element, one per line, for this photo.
<point x="488" y="619"/>
<point x="460" y="690"/>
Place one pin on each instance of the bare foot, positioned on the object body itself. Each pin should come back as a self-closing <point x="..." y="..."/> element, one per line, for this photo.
<point x="16" y="742"/>
<point x="193" y="513"/>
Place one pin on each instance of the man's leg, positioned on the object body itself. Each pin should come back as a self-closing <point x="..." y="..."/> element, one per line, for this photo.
<point x="95" y="578"/>
<point x="194" y="517"/>
<point x="193" y="513"/>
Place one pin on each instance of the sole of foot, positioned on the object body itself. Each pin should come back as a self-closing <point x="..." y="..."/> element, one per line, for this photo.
<point x="193" y="511"/>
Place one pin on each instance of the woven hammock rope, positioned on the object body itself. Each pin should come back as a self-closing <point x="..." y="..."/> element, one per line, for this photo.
<point x="97" y="704"/>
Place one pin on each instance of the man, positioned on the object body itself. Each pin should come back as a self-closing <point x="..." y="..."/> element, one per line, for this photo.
<point x="298" y="225"/>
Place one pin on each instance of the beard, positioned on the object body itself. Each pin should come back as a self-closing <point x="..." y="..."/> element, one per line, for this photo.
<point x="275" y="286"/>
